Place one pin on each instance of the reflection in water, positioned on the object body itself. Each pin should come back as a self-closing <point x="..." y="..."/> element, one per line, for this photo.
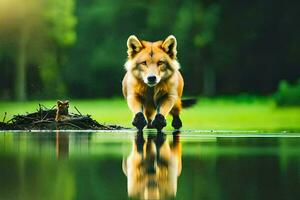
<point x="87" y="166"/>
<point x="62" y="145"/>
<point x="153" y="166"/>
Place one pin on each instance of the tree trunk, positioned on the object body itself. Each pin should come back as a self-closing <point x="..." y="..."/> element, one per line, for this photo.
<point x="209" y="81"/>
<point x="20" y="81"/>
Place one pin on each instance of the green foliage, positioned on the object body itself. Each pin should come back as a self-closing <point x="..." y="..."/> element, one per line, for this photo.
<point x="288" y="94"/>
<point x="51" y="76"/>
<point x="60" y="21"/>
<point x="37" y="35"/>
<point x="79" y="46"/>
<point x="207" y="19"/>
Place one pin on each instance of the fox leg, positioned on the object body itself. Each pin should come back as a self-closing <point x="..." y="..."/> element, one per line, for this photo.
<point x="175" y="112"/>
<point x="136" y="107"/>
<point x="163" y="110"/>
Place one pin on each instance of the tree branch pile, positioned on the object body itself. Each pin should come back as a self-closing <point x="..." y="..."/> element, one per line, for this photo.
<point x="46" y="119"/>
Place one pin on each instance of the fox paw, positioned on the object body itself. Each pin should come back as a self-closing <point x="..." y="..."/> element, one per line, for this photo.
<point x="176" y="123"/>
<point x="159" y="122"/>
<point x="139" y="121"/>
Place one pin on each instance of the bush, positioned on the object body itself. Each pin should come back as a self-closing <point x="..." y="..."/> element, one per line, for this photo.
<point x="288" y="94"/>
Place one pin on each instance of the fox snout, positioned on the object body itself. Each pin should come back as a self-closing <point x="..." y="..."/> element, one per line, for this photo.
<point x="152" y="80"/>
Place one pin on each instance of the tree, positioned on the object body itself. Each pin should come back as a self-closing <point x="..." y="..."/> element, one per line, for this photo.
<point x="196" y="24"/>
<point x="18" y="21"/>
<point x="36" y="32"/>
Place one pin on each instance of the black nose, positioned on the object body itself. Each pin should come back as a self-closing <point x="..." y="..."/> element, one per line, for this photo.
<point x="151" y="79"/>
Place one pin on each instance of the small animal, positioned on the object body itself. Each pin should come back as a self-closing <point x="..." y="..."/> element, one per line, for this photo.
<point x="153" y="85"/>
<point x="62" y="110"/>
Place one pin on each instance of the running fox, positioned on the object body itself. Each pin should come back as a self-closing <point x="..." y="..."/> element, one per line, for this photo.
<point x="153" y="85"/>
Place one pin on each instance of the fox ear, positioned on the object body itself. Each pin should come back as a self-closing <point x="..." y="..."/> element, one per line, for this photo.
<point x="169" y="45"/>
<point x="134" y="46"/>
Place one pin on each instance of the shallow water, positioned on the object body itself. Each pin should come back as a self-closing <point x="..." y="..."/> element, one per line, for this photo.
<point x="118" y="165"/>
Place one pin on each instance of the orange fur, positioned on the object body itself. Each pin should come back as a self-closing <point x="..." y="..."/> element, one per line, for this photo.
<point x="62" y="112"/>
<point x="156" y="59"/>
<point x="152" y="168"/>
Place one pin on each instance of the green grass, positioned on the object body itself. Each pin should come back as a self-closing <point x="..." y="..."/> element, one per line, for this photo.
<point x="217" y="114"/>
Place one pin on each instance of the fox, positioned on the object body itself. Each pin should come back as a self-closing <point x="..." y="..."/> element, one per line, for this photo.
<point x="153" y="167"/>
<point x="62" y="110"/>
<point x="153" y="84"/>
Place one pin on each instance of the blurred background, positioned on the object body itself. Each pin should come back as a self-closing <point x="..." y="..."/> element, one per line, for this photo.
<point x="240" y="51"/>
<point x="77" y="48"/>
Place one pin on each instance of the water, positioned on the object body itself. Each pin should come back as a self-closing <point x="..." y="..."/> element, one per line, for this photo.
<point x="117" y="165"/>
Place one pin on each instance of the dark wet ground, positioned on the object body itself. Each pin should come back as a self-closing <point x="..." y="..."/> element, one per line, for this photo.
<point x="118" y="165"/>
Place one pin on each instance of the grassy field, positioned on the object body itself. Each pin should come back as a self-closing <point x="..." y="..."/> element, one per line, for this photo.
<point x="217" y="114"/>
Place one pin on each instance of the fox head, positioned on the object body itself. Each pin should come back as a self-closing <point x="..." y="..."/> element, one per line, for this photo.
<point x="62" y="107"/>
<point x="152" y="62"/>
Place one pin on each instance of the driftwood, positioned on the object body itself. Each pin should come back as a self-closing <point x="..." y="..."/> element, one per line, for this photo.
<point x="44" y="119"/>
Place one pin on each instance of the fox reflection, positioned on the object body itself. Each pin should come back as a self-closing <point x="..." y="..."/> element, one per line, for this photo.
<point x="153" y="166"/>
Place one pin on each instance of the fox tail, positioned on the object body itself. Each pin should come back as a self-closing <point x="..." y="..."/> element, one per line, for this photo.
<point x="186" y="103"/>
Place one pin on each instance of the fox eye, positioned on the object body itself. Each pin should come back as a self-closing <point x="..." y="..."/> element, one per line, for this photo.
<point x="160" y="63"/>
<point x="143" y="63"/>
